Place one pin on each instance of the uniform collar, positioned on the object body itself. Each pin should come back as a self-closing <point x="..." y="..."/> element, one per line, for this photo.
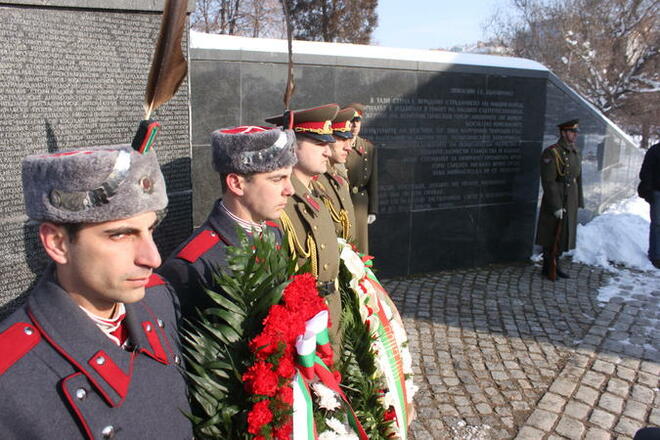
<point x="223" y="224"/>
<point x="303" y="194"/>
<point x="77" y="338"/>
<point x="566" y="145"/>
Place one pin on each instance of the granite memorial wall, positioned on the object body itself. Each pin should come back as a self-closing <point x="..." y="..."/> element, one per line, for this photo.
<point x="74" y="74"/>
<point x="458" y="144"/>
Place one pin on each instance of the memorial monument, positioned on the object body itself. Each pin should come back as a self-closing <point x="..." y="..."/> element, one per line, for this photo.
<point x="458" y="138"/>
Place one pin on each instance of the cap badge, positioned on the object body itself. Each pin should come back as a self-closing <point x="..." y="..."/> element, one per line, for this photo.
<point x="147" y="185"/>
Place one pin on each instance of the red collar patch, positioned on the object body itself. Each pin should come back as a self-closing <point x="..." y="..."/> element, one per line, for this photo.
<point x="199" y="245"/>
<point x="309" y="199"/>
<point x="16" y="342"/>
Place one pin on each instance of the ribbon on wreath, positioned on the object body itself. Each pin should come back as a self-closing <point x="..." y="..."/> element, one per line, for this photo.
<point x="310" y="366"/>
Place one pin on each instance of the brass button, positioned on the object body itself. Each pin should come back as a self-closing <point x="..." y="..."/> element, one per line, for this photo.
<point x="315" y="227"/>
<point x="325" y="266"/>
<point x="322" y="246"/>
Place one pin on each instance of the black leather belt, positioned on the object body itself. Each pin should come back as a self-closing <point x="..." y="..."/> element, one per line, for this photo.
<point x="325" y="288"/>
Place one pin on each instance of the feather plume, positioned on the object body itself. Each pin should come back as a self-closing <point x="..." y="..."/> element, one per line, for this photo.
<point x="290" y="81"/>
<point x="168" y="67"/>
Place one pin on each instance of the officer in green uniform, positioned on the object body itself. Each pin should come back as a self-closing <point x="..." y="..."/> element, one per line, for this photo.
<point x="306" y="221"/>
<point x="333" y="186"/>
<point x="561" y="179"/>
<point x="363" y="177"/>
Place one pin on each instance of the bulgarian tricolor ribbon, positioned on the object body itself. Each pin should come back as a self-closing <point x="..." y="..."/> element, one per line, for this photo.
<point x="310" y="366"/>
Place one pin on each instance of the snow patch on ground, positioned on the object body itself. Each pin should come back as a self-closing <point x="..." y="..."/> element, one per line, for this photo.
<point x="617" y="240"/>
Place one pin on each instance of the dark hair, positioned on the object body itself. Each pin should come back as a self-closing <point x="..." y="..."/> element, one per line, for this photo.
<point x="71" y="229"/>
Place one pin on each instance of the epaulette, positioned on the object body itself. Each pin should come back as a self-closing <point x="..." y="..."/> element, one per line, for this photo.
<point x="272" y="224"/>
<point x="198" y="246"/>
<point x="340" y="180"/>
<point x="16" y="342"/>
<point x="155" y="280"/>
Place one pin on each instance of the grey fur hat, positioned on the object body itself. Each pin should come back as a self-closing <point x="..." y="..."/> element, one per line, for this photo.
<point x="252" y="149"/>
<point x="92" y="185"/>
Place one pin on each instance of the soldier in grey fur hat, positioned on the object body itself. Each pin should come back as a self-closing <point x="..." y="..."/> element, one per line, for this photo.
<point x="255" y="165"/>
<point x="94" y="351"/>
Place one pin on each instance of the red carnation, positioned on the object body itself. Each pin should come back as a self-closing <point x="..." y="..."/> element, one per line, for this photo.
<point x="390" y="414"/>
<point x="286" y="368"/>
<point x="283" y="432"/>
<point x="259" y="416"/>
<point x="264" y="345"/>
<point x="260" y="379"/>
<point x="285" y="394"/>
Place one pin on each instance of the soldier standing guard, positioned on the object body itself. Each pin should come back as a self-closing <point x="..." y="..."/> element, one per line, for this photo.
<point x="333" y="185"/>
<point x="254" y="164"/>
<point x="94" y="352"/>
<point x="362" y="170"/>
<point x="310" y="229"/>
<point x="561" y="179"/>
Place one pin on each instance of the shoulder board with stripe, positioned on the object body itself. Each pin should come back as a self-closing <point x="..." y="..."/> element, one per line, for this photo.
<point x="272" y="224"/>
<point x="198" y="246"/>
<point x="16" y="342"/>
<point x="155" y="280"/>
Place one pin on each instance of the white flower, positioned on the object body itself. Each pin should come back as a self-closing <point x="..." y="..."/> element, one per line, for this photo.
<point x="339" y="431"/>
<point x="353" y="262"/>
<point x="412" y="389"/>
<point x="336" y="425"/>
<point x="327" y="399"/>
<point x="406" y="358"/>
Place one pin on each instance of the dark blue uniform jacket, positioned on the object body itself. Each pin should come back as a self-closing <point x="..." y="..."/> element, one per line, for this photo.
<point x="61" y="377"/>
<point x="190" y="268"/>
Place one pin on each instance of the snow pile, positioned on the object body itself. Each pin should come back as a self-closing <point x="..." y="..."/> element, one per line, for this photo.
<point x="618" y="236"/>
<point x="629" y="285"/>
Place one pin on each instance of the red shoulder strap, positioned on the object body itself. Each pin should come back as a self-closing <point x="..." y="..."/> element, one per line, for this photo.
<point x="16" y="342"/>
<point x="272" y="224"/>
<point x="155" y="280"/>
<point x="198" y="246"/>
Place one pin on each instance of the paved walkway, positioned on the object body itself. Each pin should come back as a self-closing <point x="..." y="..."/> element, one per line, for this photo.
<point x="501" y="353"/>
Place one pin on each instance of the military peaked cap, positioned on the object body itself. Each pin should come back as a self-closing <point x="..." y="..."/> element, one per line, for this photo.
<point x="315" y="123"/>
<point x="569" y="125"/>
<point x="341" y="125"/>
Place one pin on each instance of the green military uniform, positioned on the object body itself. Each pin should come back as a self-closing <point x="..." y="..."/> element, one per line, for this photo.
<point x="334" y="191"/>
<point x="363" y="177"/>
<point x="311" y="235"/>
<point x="561" y="179"/>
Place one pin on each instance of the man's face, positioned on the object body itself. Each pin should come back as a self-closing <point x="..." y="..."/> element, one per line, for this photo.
<point x="265" y="194"/>
<point x="339" y="150"/>
<point x="570" y="135"/>
<point x="356" y="124"/>
<point x="110" y="262"/>
<point x="312" y="156"/>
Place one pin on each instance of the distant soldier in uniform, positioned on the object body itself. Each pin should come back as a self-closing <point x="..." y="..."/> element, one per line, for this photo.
<point x="94" y="352"/>
<point x="254" y="164"/>
<point x="362" y="170"/>
<point x="310" y="229"/>
<point x="561" y="179"/>
<point x="333" y="186"/>
<point x="649" y="190"/>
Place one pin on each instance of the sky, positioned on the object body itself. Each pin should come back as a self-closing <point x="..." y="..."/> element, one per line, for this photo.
<point x="432" y="24"/>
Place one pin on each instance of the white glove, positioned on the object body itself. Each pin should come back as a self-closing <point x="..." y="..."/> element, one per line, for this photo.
<point x="371" y="218"/>
<point x="559" y="213"/>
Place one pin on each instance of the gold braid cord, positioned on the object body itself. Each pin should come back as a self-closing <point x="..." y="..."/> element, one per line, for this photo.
<point x="340" y="216"/>
<point x="559" y="162"/>
<point x="297" y="249"/>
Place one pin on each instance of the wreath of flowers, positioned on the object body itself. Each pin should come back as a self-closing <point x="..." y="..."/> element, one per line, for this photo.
<point x="269" y="379"/>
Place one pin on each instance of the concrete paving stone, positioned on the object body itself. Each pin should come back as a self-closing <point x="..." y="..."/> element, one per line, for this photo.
<point x="448" y="410"/>
<point x="652" y="368"/>
<point x="597" y="434"/>
<point x="626" y="373"/>
<point x="577" y="410"/>
<point x="542" y="419"/>
<point x="628" y="426"/>
<point x="611" y="403"/>
<point x="563" y="387"/>
<point x="642" y="394"/>
<point x="603" y="367"/>
<point x="587" y="395"/>
<point x="602" y="419"/>
<point x="631" y="363"/>
<point x="529" y="433"/>
<point x="484" y="408"/>
<point x="569" y="427"/>
<point x="635" y="410"/>
<point x="618" y="387"/>
<point x="593" y="379"/>
<point x="654" y="417"/>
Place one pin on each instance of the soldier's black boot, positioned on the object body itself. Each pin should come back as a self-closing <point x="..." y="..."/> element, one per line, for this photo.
<point x="547" y="259"/>
<point x="561" y="273"/>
